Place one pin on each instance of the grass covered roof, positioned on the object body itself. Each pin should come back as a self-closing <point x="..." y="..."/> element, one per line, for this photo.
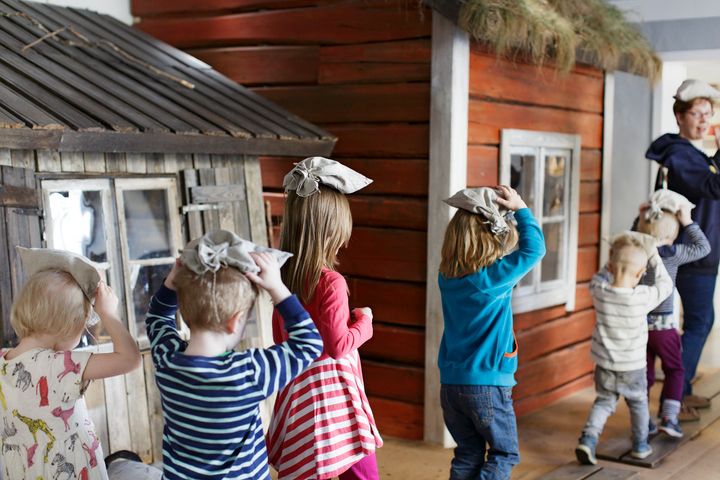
<point x="558" y="31"/>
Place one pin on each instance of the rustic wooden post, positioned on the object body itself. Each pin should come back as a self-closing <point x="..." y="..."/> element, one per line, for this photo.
<point x="447" y="174"/>
<point x="605" y="210"/>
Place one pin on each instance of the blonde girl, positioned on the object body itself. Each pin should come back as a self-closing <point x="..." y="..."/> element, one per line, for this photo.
<point x="323" y="426"/>
<point x="478" y="352"/>
<point x="47" y="432"/>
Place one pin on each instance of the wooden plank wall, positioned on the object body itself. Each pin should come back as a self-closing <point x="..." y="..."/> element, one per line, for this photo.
<point x="553" y="345"/>
<point x="361" y="69"/>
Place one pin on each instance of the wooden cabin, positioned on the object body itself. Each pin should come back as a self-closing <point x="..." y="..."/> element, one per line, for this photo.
<point x="122" y="148"/>
<point x="425" y="111"/>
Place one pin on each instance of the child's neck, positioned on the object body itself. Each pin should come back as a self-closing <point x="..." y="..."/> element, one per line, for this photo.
<point x="207" y="343"/>
<point x="624" y="281"/>
<point x="41" y="340"/>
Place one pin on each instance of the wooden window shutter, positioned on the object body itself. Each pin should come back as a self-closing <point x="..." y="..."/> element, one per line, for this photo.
<point x="19" y="226"/>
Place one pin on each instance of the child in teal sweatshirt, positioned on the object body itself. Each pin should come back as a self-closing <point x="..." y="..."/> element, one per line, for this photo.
<point x="478" y="352"/>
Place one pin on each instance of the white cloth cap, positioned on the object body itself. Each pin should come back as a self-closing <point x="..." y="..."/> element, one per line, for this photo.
<point x="305" y="178"/>
<point x="36" y="260"/>
<point x="481" y="201"/>
<point x="223" y="248"/>
<point x="692" y="88"/>
<point x="665" y="200"/>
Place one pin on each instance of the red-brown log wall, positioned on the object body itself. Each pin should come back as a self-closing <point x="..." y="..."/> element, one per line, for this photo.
<point x="553" y="344"/>
<point x="361" y="69"/>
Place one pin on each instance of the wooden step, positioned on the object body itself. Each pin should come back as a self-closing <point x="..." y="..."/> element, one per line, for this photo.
<point x="573" y="471"/>
<point x="618" y="449"/>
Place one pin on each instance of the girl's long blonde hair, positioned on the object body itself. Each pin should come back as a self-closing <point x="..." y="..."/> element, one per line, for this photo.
<point x="469" y="245"/>
<point x="313" y="230"/>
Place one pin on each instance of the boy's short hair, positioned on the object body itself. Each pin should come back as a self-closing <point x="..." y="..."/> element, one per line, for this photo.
<point x="627" y="251"/>
<point x="207" y="300"/>
<point x="667" y="227"/>
<point x="51" y="301"/>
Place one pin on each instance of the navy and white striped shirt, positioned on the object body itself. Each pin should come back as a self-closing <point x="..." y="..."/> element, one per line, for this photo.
<point x="211" y="404"/>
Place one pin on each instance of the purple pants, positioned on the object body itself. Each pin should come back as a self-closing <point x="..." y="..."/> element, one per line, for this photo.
<point x="666" y="344"/>
<point x="365" y="469"/>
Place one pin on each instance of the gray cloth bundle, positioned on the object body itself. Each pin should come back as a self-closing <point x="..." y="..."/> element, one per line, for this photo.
<point x="691" y="88"/>
<point x="481" y="201"/>
<point x="305" y="178"/>
<point x="36" y="260"/>
<point x="665" y="200"/>
<point x="223" y="248"/>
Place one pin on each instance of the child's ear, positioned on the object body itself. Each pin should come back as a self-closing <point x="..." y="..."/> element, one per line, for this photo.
<point x="640" y="273"/>
<point x="235" y="322"/>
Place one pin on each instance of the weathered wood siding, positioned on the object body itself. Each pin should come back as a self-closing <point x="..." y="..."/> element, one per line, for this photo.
<point x="360" y="69"/>
<point x="554" y="345"/>
<point x="126" y="409"/>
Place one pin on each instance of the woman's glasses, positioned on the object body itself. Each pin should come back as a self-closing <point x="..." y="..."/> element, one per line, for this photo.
<point x="697" y="115"/>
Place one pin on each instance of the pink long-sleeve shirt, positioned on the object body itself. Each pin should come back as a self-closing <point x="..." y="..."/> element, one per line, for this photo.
<point x="342" y="331"/>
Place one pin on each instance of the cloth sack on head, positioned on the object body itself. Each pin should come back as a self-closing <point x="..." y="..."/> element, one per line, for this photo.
<point x="36" y="260"/>
<point x="647" y="242"/>
<point x="223" y="248"/>
<point x="665" y="200"/>
<point x="305" y="178"/>
<point x="692" y="88"/>
<point x="481" y="201"/>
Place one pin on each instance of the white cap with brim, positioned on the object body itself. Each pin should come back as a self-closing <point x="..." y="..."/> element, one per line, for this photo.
<point x="692" y="88"/>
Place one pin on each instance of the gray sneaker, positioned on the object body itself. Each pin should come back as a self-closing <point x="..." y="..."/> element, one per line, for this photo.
<point x="652" y="428"/>
<point x="641" y="450"/>
<point x="585" y="450"/>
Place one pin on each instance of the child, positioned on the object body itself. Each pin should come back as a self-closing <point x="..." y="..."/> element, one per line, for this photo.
<point x="211" y="394"/>
<point x="620" y="337"/>
<point x="666" y="212"/>
<point x="322" y="425"/>
<point x="46" y="428"/>
<point x="478" y="351"/>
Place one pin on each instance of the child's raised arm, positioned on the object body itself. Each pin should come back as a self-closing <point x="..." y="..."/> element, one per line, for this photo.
<point x="126" y="354"/>
<point x="698" y="245"/>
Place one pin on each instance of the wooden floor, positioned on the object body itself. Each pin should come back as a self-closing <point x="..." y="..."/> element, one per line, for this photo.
<point x="548" y="439"/>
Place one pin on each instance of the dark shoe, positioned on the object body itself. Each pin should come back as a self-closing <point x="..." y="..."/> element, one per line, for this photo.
<point x="641" y="450"/>
<point x="652" y="428"/>
<point x="696" y="401"/>
<point x="688" y="414"/>
<point x="671" y="428"/>
<point x="585" y="450"/>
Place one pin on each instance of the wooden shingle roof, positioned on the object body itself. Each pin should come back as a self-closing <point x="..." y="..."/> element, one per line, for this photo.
<point x="76" y="80"/>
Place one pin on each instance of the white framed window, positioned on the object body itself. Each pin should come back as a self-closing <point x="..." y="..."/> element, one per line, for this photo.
<point x="544" y="167"/>
<point x="128" y="227"/>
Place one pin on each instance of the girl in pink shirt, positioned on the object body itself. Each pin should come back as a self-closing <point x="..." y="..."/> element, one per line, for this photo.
<point x="322" y="425"/>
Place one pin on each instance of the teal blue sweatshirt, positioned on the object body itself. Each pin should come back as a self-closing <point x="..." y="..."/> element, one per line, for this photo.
<point x="478" y="345"/>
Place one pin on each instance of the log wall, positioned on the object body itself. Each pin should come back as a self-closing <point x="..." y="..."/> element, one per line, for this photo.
<point x="360" y="69"/>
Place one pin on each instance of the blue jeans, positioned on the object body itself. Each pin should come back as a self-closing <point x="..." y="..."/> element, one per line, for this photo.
<point x="481" y="420"/>
<point x="696" y="292"/>
<point x="609" y="385"/>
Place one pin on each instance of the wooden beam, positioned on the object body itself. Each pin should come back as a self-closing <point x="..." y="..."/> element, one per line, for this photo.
<point x="398" y="419"/>
<point x="11" y="196"/>
<point x="383" y="346"/>
<point x="381" y="140"/>
<point x="392" y="302"/>
<point x="448" y="174"/>
<point x="394" y="382"/>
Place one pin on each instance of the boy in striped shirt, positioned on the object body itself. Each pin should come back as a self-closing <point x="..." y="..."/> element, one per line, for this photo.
<point x="620" y="338"/>
<point x="211" y="394"/>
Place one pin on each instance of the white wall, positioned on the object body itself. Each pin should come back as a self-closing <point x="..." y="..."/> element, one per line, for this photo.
<point x="655" y="10"/>
<point x="119" y="9"/>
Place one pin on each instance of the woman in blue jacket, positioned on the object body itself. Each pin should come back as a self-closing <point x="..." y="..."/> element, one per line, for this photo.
<point x="690" y="172"/>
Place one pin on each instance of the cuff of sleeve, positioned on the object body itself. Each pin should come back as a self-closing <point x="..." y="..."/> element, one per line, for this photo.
<point x="166" y="296"/>
<point x="292" y="310"/>
<point x="523" y="213"/>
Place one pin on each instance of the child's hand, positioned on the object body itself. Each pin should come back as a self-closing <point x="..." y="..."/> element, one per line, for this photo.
<point x="269" y="276"/>
<point x="509" y="198"/>
<point x="106" y="302"/>
<point x="644" y="206"/>
<point x="362" y="312"/>
<point x="684" y="215"/>
<point x="170" y="279"/>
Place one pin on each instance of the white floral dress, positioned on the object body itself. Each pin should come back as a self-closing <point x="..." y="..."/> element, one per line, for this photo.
<point x="46" y="431"/>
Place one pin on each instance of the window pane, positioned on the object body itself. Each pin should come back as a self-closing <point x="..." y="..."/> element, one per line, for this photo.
<point x="522" y="176"/>
<point x="144" y="282"/>
<point x="78" y="223"/>
<point x="147" y="224"/>
<point x="554" y="192"/>
<point x="554" y="243"/>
